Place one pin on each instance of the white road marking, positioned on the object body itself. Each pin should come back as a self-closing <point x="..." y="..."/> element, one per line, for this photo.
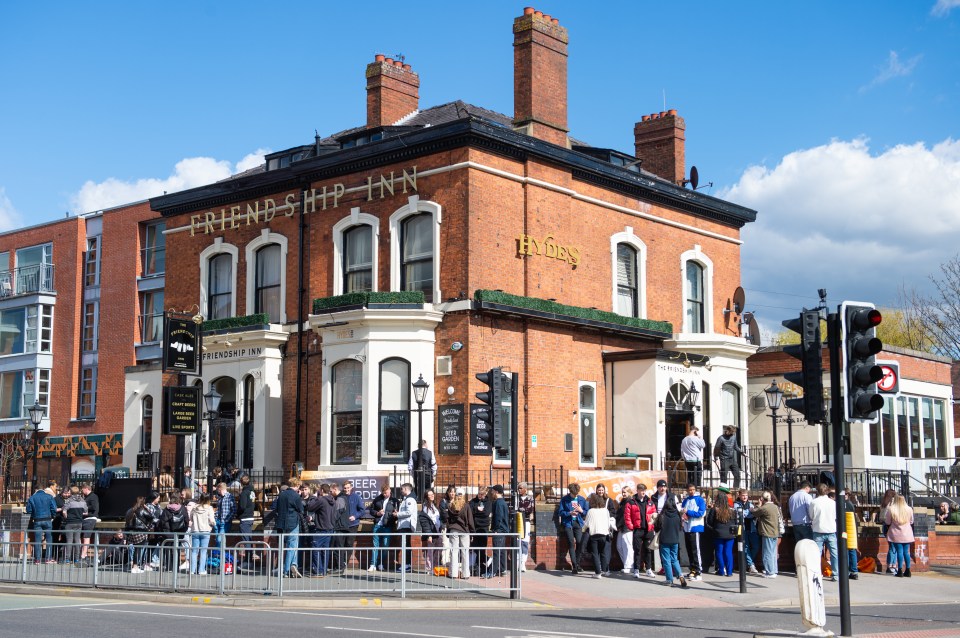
<point x="57" y="606"/>
<point x="537" y="631"/>
<point x="305" y="613"/>
<point x="392" y="632"/>
<point x="152" y="613"/>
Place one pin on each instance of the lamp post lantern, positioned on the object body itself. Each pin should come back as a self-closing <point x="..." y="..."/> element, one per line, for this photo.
<point x="693" y="395"/>
<point x="774" y="400"/>
<point x="27" y="432"/>
<point x="420" y="388"/>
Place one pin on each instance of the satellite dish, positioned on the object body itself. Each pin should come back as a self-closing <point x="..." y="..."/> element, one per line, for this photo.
<point x="754" y="336"/>
<point x="694" y="177"/>
<point x="739" y="300"/>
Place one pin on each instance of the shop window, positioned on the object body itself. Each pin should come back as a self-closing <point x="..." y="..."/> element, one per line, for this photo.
<point x="347" y="430"/>
<point x="588" y="423"/>
<point x="268" y="282"/>
<point x="220" y="287"/>
<point x="394" y="411"/>
<point x="358" y="259"/>
<point x="416" y="265"/>
<point x="146" y="424"/>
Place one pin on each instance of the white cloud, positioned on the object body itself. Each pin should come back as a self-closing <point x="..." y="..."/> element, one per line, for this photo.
<point x="188" y="173"/>
<point x="893" y="69"/>
<point x="943" y="7"/>
<point x="9" y="217"/>
<point x="839" y="217"/>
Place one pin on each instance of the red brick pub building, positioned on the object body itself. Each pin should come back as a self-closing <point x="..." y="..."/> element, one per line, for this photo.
<point x="442" y="242"/>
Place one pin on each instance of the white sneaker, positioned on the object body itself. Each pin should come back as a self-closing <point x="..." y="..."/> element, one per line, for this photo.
<point x="753" y="569"/>
<point x="184" y="566"/>
<point x="697" y="577"/>
<point x="598" y="576"/>
<point x="155" y="563"/>
<point x="769" y="575"/>
<point x="201" y="573"/>
<point x="650" y="573"/>
<point x="626" y="570"/>
<point x="136" y="570"/>
<point x="523" y="568"/>
<point x="147" y="568"/>
<point x="372" y="568"/>
<point x="637" y="573"/>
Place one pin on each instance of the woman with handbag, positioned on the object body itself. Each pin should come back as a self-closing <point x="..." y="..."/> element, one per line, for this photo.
<point x="597" y="525"/>
<point x="202" y="521"/>
<point x="724" y="525"/>
<point x="137" y="526"/>
<point x="430" y="527"/>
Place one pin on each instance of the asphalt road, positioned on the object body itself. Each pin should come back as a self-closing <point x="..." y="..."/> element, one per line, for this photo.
<point x="22" y="616"/>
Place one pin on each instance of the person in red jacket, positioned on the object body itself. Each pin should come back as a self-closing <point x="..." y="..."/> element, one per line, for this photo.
<point x="638" y="517"/>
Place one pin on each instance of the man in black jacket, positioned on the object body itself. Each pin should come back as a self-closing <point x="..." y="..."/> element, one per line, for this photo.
<point x="499" y="525"/>
<point x="91" y="519"/>
<point x="727" y="451"/>
<point x="341" y="529"/>
<point x="324" y="511"/>
<point x="246" y="507"/>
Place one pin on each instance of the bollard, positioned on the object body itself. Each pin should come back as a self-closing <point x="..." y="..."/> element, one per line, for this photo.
<point x="810" y="581"/>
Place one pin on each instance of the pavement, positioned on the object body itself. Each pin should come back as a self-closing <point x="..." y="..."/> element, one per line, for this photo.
<point x="565" y="590"/>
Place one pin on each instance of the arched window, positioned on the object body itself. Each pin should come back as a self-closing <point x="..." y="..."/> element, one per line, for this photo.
<point x="358" y="259"/>
<point x="394" y="411"/>
<point x="416" y="267"/>
<point x="731" y="404"/>
<point x="347" y="430"/>
<point x="694" y="306"/>
<point x="628" y="292"/>
<point x="267" y="292"/>
<point x="220" y="287"/>
<point x="146" y="424"/>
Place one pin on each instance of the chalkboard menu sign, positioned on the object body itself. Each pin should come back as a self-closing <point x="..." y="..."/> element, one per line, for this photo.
<point x="181" y="410"/>
<point x="479" y="446"/>
<point x="451" y="429"/>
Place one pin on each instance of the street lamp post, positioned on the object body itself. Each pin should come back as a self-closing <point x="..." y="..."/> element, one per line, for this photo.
<point x="211" y="401"/>
<point x="420" y="388"/>
<point x="36" y="412"/>
<point x="789" y="437"/>
<point x="774" y="399"/>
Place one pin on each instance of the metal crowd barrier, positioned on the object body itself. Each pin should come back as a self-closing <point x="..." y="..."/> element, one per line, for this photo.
<point x="330" y="563"/>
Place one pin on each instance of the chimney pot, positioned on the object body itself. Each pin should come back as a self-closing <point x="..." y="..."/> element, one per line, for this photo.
<point x="672" y="112"/>
<point x="407" y="67"/>
<point x="391" y="95"/>
<point x="645" y="118"/>
<point x="528" y="11"/>
<point x="659" y="141"/>
<point x="378" y="57"/>
<point x="398" y="63"/>
<point x="546" y="16"/>
<point x="538" y="14"/>
<point x="555" y="21"/>
<point x="663" y="114"/>
<point x="389" y="60"/>
<point x="540" y="76"/>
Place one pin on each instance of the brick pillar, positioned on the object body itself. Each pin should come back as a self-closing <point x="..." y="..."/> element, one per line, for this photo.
<point x="393" y="91"/>
<point x="659" y="140"/>
<point x="540" y="76"/>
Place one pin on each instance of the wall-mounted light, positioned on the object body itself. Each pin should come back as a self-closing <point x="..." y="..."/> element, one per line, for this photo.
<point x="456" y="346"/>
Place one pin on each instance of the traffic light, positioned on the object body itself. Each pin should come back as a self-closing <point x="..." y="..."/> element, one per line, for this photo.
<point x="860" y="345"/>
<point x="811" y="375"/>
<point x="490" y="413"/>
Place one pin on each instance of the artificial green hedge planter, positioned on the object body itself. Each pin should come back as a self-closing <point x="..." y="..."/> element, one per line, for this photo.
<point x="367" y="298"/>
<point x="259" y="319"/>
<point x="542" y="305"/>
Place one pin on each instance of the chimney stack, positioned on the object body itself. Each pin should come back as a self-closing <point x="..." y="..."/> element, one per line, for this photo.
<point x="540" y="76"/>
<point x="659" y="141"/>
<point x="393" y="91"/>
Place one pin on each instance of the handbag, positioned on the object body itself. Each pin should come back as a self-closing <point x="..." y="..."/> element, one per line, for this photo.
<point x="781" y="525"/>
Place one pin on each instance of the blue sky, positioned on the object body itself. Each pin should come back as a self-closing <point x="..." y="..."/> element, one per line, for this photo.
<point x="838" y="122"/>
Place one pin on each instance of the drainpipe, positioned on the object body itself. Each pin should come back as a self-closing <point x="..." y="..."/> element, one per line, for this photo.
<point x="300" y="294"/>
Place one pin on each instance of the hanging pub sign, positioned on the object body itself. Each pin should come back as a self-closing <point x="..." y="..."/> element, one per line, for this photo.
<point x="451" y="429"/>
<point x="481" y="435"/>
<point x="181" y="344"/>
<point x="182" y="410"/>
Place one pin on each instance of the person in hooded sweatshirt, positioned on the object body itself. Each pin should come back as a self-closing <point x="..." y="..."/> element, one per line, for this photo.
<point x="174" y="523"/>
<point x="727" y="451"/>
<point x="693" y="509"/>
<point x="74" y="511"/>
<point x="671" y="530"/>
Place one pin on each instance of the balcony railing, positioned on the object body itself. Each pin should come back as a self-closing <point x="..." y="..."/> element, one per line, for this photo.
<point x="27" y="280"/>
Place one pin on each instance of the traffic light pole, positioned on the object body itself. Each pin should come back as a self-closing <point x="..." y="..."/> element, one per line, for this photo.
<point x="833" y="339"/>
<point x="514" y="472"/>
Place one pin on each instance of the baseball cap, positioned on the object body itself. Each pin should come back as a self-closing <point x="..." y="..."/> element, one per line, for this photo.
<point x="661" y="483"/>
<point x="723" y="487"/>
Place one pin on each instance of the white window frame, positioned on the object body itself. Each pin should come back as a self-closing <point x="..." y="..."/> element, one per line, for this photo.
<point x="697" y="255"/>
<point x="265" y="239"/>
<point x="627" y="237"/>
<point x="415" y="207"/>
<point x="581" y="412"/>
<point x="217" y="247"/>
<point x="356" y="218"/>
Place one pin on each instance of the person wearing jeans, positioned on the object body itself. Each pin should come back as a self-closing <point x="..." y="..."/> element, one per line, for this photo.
<point x="823" y="522"/>
<point x="767" y="517"/>
<point x="288" y="508"/>
<point x="202" y="521"/>
<point x="42" y="508"/>
<point x="899" y="518"/>
<point x="573" y="508"/>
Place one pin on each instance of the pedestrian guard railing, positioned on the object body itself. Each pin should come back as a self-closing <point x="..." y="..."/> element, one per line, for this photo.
<point x="385" y="564"/>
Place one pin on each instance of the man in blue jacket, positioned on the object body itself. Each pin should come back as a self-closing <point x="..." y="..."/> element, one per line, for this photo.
<point x="288" y="508"/>
<point x="573" y="508"/>
<point x="693" y="509"/>
<point x="42" y="508"/>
